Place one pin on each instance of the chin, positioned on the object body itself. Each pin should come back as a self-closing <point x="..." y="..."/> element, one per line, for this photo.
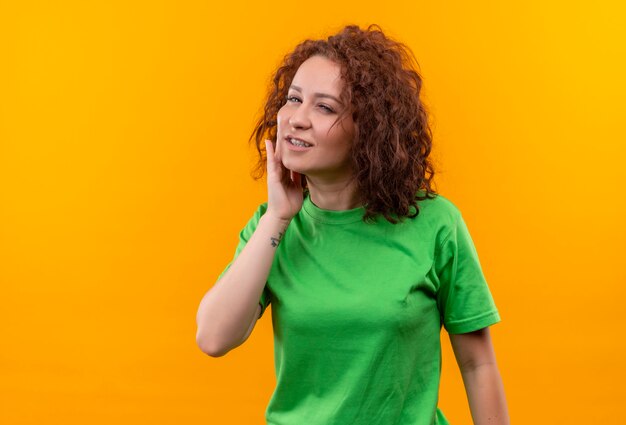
<point x="302" y="171"/>
<point x="293" y="166"/>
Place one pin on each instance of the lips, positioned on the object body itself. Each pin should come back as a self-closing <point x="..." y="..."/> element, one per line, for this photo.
<point x="289" y="136"/>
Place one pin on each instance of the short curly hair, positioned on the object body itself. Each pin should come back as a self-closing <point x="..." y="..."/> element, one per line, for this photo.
<point x="393" y="139"/>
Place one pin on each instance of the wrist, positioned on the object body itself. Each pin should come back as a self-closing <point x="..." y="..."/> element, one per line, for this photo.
<point x="272" y="218"/>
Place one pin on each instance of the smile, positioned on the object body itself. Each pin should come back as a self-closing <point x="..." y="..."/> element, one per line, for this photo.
<point x="298" y="143"/>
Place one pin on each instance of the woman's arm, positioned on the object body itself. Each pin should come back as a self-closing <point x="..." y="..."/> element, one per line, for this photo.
<point x="229" y="310"/>
<point x="477" y="362"/>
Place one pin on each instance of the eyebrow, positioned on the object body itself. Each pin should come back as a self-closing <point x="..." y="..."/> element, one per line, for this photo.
<point x="296" y="88"/>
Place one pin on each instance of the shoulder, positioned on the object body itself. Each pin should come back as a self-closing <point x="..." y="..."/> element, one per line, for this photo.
<point x="253" y="221"/>
<point x="440" y="215"/>
<point x="439" y="210"/>
<point x="261" y="209"/>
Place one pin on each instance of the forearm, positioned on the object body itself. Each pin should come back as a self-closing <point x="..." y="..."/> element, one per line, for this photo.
<point x="485" y="393"/>
<point x="227" y="309"/>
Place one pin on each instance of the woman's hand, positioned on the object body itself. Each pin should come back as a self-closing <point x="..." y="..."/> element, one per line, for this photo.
<point x="284" y="194"/>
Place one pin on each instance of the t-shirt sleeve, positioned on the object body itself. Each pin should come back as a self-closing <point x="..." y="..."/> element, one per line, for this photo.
<point x="463" y="297"/>
<point x="244" y="237"/>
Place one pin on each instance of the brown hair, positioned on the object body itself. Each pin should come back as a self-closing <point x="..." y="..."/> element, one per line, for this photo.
<point x="392" y="138"/>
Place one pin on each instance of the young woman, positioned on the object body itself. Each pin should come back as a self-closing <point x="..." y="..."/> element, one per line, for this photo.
<point x="362" y="261"/>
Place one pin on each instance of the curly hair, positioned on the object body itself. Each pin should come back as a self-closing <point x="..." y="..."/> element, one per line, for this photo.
<point x="392" y="140"/>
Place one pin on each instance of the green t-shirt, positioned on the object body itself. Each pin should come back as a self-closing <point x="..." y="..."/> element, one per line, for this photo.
<point x="357" y="311"/>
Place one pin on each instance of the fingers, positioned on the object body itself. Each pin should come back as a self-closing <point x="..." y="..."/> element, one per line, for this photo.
<point x="278" y="152"/>
<point x="271" y="159"/>
<point x="275" y="166"/>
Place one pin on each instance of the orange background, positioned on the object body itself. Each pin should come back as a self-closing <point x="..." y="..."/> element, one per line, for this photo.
<point x="124" y="173"/>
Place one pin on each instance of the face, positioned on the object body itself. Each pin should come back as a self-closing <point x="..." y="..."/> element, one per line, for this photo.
<point x="309" y="115"/>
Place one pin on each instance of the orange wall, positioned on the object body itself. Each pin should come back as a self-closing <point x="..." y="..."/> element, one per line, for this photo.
<point x="124" y="177"/>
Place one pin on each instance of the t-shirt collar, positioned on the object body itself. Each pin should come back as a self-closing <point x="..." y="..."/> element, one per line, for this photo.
<point x="332" y="216"/>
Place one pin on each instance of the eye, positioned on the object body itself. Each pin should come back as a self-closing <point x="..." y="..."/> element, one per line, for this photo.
<point x="326" y="108"/>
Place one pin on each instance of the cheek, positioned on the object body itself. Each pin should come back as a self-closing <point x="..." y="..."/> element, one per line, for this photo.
<point x="341" y="137"/>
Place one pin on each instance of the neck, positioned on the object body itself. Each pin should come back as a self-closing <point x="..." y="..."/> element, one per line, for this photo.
<point x="334" y="195"/>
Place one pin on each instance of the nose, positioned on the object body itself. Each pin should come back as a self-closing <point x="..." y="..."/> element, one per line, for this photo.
<point x="299" y="118"/>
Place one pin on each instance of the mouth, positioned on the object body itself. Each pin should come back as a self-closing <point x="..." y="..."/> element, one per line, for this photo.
<point x="294" y="141"/>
